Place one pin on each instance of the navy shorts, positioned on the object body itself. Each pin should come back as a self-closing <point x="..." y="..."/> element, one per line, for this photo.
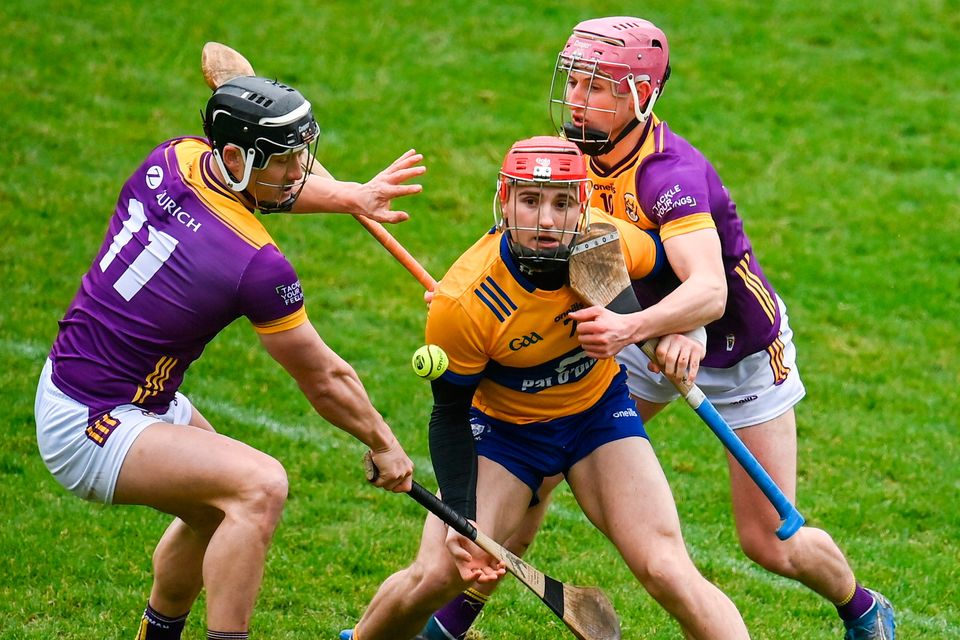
<point x="538" y="450"/>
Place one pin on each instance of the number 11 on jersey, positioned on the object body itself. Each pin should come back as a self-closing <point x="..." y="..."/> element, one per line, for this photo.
<point x="159" y="248"/>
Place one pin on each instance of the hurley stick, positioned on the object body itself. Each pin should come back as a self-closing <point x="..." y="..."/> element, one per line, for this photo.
<point x="599" y="275"/>
<point x="585" y="610"/>
<point x="220" y="64"/>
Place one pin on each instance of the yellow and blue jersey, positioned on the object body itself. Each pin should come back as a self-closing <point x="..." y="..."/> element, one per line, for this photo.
<point x="517" y="342"/>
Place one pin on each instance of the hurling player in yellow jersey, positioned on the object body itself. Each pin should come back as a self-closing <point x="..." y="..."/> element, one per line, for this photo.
<point x="609" y="75"/>
<point x="522" y="401"/>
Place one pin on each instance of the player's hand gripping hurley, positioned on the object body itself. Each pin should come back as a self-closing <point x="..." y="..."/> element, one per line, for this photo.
<point x="599" y="275"/>
<point x="220" y="64"/>
<point x="586" y="611"/>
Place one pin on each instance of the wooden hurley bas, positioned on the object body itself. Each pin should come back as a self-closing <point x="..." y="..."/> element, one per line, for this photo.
<point x="598" y="274"/>
<point x="586" y="611"/>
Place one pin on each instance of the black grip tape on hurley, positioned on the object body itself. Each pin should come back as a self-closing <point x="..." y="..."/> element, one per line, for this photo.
<point x="625" y="302"/>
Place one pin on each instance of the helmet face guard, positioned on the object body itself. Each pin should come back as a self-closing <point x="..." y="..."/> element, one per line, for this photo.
<point x="542" y="201"/>
<point x="271" y="197"/>
<point x="263" y="119"/>
<point x="621" y="51"/>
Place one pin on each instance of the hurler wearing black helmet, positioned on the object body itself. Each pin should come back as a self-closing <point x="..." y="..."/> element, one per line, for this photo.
<point x="262" y="118"/>
<point x="183" y="257"/>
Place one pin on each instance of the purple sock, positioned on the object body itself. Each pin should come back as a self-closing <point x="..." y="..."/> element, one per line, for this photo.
<point x="856" y="605"/>
<point x="458" y="615"/>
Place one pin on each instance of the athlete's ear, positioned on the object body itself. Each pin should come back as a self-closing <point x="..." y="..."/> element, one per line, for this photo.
<point x="233" y="159"/>
<point x="644" y="90"/>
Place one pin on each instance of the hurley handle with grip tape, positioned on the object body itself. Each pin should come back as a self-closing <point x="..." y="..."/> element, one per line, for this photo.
<point x="598" y="274"/>
<point x="430" y="502"/>
<point x="790" y="519"/>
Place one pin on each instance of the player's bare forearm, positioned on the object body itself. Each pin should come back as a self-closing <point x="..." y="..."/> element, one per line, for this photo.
<point x="373" y="199"/>
<point x="338" y="395"/>
<point x="697" y="302"/>
<point x="330" y="384"/>
<point x="700" y="298"/>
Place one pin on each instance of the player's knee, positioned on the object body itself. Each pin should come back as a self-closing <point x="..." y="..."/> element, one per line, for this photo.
<point x="263" y="495"/>
<point x="520" y="541"/>
<point x="664" y="575"/>
<point x="436" y="581"/>
<point x="519" y="546"/>
<point x="769" y="552"/>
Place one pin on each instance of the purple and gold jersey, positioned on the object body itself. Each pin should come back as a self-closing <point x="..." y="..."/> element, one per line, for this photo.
<point x="517" y="341"/>
<point x="666" y="184"/>
<point x="182" y="259"/>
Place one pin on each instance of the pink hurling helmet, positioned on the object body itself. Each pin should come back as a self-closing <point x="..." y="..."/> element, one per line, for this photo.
<point x="623" y="50"/>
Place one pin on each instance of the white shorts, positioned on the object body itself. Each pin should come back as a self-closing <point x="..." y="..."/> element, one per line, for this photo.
<point x="745" y="394"/>
<point x="87" y="460"/>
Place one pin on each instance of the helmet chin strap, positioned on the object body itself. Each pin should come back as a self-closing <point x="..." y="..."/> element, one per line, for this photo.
<point x="240" y="185"/>
<point x="594" y="142"/>
<point x="536" y="261"/>
<point x="642" y="115"/>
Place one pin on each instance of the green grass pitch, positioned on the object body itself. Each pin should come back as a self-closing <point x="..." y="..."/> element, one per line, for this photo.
<point x="834" y="125"/>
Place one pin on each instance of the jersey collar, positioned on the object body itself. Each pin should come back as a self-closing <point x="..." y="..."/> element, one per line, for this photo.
<point x="642" y="149"/>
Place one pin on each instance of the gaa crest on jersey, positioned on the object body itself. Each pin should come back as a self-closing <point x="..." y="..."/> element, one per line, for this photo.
<point x="530" y="339"/>
<point x="154" y="176"/>
<point x="631" y="207"/>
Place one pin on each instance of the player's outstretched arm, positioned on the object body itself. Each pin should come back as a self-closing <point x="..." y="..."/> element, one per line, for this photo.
<point x="373" y="199"/>
<point x="336" y="392"/>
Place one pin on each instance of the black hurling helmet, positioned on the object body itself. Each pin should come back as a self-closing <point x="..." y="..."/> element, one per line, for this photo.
<point x="263" y="118"/>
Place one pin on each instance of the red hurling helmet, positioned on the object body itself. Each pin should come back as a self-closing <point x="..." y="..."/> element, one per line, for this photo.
<point x="543" y="162"/>
<point x="544" y="159"/>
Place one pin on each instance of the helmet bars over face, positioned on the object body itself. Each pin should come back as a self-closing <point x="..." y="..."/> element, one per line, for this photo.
<point x="262" y="118"/>
<point x="541" y="201"/>
<point x="619" y="50"/>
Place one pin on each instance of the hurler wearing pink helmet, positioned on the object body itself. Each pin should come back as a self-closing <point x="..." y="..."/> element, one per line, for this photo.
<point x="607" y="79"/>
<point x="621" y="53"/>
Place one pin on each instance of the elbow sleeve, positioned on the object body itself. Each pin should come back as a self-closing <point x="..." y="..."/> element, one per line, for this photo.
<point x="451" y="447"/>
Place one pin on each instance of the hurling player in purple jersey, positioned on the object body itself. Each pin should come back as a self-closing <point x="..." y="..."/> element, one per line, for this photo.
<point x="184" y="256"/>
<point x="607" y="79"/>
